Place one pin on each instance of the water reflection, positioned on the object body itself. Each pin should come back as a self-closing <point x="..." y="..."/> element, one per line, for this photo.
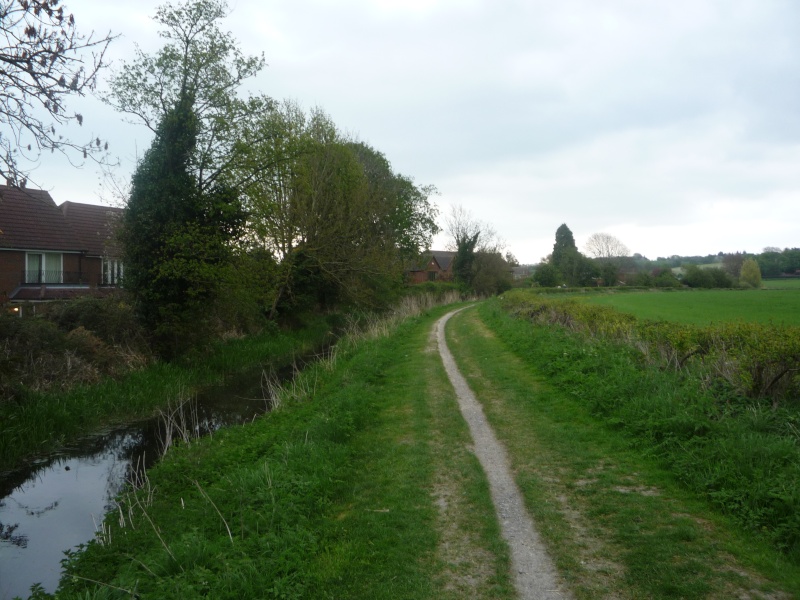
<point x="54" y="505"/>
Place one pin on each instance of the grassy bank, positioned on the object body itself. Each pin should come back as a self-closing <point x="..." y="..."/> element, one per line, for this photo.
<point x="614" y="503"/>
<point x="742" y="459"/>
<point x="360" y="485"/>
<point x="41" y="421"/>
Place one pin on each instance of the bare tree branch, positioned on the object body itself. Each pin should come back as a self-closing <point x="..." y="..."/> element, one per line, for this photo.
<point x="604" y="245"/>
<point x="43" y="61"/>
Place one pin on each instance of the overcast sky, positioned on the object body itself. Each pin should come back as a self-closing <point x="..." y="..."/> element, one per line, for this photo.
<point x="674" y="126"/>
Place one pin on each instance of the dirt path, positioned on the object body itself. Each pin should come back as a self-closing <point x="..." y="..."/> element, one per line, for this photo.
<point x="534" y="574"/>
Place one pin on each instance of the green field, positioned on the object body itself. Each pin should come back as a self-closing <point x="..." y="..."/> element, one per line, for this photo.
<point x="712" y="306"/>
<point x="782" y="284"/>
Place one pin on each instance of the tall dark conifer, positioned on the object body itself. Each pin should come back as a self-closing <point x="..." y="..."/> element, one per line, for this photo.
<point x="175" y="237"/>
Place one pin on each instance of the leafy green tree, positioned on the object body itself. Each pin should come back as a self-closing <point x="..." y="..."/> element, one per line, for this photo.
<point x="643" y="279"/>
<point x="719" y="278"/>
<point x="697" y="277"/>
<point x="491" y="275"/>
<point x="750" y="274"/>
<point x="464" y="260"/>
<point x="608" y="273"/>
<point x="770" y="263"/>
<point x="546" y="275"/>
<point x="791" y="260"/>
<point x="203" y="61"/>
<point x="331" y="212"/>
<point x="575" y="268"/>
<point x="732" y="263"/>
<point x="404" y="214"/>
<point x="665" y="278"/>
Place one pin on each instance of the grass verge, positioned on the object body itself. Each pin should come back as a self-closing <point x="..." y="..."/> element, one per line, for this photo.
<point x="360" y="485"/>
<point x="616" y="517"/>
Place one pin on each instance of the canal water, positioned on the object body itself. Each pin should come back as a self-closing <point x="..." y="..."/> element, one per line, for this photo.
<point x="59" y="502"/>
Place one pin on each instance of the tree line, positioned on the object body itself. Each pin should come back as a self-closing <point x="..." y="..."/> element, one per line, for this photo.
<point x="608" y="262"/>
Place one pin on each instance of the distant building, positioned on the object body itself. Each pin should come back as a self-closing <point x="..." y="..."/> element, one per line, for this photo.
<point x="521" y="272"/>
<point x="437" y="266"/>
<point x="50" y="252"/>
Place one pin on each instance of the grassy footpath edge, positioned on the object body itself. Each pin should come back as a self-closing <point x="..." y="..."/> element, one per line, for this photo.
<point x="618" y="523"/>
<point x="361" y="485"/>
<point x="45" y="421"/>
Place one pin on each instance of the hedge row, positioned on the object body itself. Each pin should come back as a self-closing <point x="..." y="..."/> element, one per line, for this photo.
<point x="748" y="359"/>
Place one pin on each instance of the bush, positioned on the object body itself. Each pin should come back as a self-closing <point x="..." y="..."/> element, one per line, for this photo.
<point x="111" y="319"/>
<point x="69" y="343"/>
<point x="695" y="277"/>
<point x="666" y="279"/>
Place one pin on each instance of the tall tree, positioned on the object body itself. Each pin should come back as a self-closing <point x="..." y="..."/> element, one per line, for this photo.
<point x="42" y="64"/>
<point x="564" y="248"/>
<point x="407" y="217"/>
<point x="199" y="59"/>
<point x="770" y="262"/>
<point x="331" y="212"/>
<point x="175" y="238"/>
<point x="326" y="216"/>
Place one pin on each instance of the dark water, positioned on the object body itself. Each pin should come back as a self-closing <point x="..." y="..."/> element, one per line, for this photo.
<point x="59" y="502"/>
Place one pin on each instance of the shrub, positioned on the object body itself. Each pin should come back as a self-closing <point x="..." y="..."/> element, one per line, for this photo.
<point x="665" y="279"/>
<point x="750" y="275"/>
<point x="111" y="319"/>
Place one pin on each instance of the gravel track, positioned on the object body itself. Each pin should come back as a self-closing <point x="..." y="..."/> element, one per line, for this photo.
<point x="535" y="577"/>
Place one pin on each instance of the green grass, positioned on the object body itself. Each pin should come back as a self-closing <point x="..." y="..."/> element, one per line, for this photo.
<point x="337" y="494"/>
<point x="363" y="483"/>
<point x="708" y="306"/>
<point x="587" y="436"/>
<point x="782" y="284"/>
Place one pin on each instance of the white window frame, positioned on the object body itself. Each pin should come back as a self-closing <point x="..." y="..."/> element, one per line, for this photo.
<point x="45" y="272"/>
<point x="113" y="271"/>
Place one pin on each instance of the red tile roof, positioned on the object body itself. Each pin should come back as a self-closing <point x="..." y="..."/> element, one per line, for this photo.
<point x="29" y="219"/>
<point x="94" y="226"/>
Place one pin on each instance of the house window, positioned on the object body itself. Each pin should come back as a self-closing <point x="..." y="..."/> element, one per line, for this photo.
<point x="112" y="271"/>
<point x="432" y="275"/>
<point x="44" y="267"/>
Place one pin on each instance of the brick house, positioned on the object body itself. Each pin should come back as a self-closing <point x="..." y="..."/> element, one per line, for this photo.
<point x="438" y="266"/>
<point x="50" y="252"/>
